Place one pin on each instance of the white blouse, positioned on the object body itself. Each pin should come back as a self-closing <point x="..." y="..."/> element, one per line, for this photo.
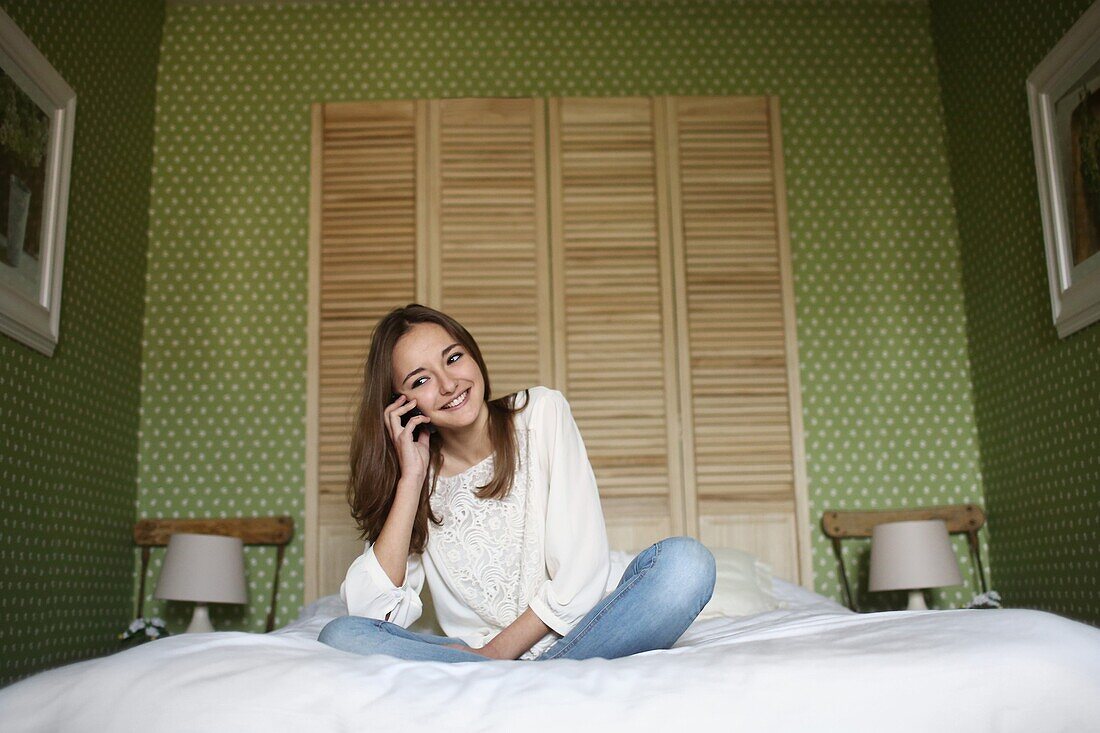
<point x="544" y="545"/>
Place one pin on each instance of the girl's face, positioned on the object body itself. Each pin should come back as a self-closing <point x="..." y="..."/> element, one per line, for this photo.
<point x="433" y="368"/>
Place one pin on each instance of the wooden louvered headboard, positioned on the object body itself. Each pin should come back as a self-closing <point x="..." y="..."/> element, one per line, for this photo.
<point x="631" y="252"/>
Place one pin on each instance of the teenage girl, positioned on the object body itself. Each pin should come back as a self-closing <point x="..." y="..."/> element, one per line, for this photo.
<point x="494" y="503"/>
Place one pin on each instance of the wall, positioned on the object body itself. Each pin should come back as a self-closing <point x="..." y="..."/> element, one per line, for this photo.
<point x="888" y="409"/>
<point x="69" y="424"/>
<point x="1036" y="396"/>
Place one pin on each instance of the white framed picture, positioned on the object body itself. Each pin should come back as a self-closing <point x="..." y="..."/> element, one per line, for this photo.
<point x="37" y="109"/>
<point x="1064" y="97"/>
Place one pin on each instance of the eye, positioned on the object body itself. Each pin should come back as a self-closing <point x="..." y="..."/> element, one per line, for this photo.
<point x="454" y="356"/>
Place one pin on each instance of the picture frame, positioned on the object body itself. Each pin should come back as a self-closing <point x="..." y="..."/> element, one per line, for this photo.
<point x="1064" y="101"/>
<point x="37" y="111"/>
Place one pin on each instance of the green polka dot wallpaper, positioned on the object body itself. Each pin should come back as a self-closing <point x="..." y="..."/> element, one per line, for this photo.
<point x="1037" y="398"/>
<point x="882" y="331"/>
<point x="69" y="424"/>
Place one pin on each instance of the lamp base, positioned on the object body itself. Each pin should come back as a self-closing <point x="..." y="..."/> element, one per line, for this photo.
<point x="200" y="621"/>
<point x="916" y="601"/>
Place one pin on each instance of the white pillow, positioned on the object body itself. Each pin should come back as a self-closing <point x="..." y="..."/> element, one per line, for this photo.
<point x="796" y="597"/>
<point x="742" y="586"/>
<point x="327" y="606"/>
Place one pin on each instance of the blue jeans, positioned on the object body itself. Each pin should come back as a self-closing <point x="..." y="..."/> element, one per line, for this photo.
<point x="662" y="591"/>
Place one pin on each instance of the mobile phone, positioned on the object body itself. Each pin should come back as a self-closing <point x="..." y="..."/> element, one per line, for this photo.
<point x="410" y="415"/>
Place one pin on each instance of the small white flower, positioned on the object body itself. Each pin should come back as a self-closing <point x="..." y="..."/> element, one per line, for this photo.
<point x="137" y="624"/>
<point x="151" y="632"/>
<point x="158" y="621"/>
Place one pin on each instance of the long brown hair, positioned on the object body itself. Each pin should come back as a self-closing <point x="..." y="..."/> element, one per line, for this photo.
<point x="375" y="467"/>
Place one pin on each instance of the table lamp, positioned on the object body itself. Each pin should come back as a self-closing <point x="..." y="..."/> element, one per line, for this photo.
<point x="203" y="568"/>
<point x="912" y="556"/>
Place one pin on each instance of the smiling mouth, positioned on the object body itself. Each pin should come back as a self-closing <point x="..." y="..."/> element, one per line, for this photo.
<point x="457" y="401"/>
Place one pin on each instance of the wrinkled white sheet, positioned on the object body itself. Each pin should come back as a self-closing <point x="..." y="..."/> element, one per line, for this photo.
<point x="811" y="666"/>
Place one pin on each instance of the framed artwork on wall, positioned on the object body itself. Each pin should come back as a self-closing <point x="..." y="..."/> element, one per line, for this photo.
<point x="1064" y="97"/>
<point x="37" y="109"/>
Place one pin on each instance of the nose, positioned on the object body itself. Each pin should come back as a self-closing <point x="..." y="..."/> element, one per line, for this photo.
<point x="449" y="385"/>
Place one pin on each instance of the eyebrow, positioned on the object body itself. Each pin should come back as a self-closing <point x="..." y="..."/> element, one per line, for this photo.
<point x="420" y="369"/>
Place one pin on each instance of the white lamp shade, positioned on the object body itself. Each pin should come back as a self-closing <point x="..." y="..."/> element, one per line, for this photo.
<point x="912" y="555"/>
<point x="205" y="568"/>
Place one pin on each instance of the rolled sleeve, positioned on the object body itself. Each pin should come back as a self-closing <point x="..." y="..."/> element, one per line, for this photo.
<point x="369" y="592"/>
<point x="576" y="548"/>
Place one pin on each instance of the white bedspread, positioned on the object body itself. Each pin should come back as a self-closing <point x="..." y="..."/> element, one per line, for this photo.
<point x="809" y="667"/>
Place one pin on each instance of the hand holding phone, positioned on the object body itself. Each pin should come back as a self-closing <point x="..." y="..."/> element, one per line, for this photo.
<point x="410" y="414"/>
<point x="412" y="452"/>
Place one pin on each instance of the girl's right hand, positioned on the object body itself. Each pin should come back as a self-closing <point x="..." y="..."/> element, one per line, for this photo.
<point x="412" y="454"/>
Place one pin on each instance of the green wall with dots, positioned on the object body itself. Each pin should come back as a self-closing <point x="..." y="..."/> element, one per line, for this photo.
<point x="69" y="423"/>
<point x="1037" y="397"/>
<point x="882" y="331"/>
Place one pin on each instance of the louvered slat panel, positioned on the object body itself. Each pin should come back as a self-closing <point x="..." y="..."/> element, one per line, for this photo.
<point x="367" y="258"/>
<point x="670" y="321"/>
<point x="607" y="230"/>
<point x="488" y="213"/>
<point x="742" y="458"/>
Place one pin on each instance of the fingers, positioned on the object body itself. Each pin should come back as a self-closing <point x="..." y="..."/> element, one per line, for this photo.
<point x="388" y="416"/>
<point x="388" y="412"/>
<point x="409" y="427"/>
<point x="393" y="412"/>
<point x="418" y="420"/>
<point x="399" y="406"/>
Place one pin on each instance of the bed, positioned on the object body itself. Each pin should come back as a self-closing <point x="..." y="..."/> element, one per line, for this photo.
<point x="805" y="664"/>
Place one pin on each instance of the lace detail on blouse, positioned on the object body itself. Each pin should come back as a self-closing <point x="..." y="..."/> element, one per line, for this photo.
<point x="494" y="563"/>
